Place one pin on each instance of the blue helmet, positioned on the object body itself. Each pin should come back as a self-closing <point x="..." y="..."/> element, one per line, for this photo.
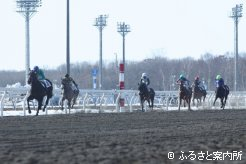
<point x="35" y="68"/>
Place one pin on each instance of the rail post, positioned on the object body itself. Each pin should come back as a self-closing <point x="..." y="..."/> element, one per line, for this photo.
<point x="2" y="105"/>
<point x="122" y="87"/>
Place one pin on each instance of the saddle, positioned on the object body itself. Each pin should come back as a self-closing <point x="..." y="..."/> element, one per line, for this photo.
<point x="46" y="84"/>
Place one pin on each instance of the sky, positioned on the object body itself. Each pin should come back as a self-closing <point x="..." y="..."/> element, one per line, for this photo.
<point x="167" y="28"/>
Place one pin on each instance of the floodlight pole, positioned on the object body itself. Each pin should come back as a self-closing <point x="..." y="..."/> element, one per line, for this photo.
<point x="68" y="41"/>
<point x="100" y="23"/>
<point x="236" y="14"/>
<point x="27" y="8"/>
<point x="123" y="29"/>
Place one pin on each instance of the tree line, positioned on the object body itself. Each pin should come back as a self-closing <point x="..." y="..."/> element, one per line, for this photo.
<point x="163" y="72"/>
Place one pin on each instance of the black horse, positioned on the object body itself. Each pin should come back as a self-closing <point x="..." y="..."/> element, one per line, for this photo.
<point x="184" y="94"/>
<point x="38" y="91"/>
<point x="69" y="92"/>
<point x="146" y="95"/>
<point x="198" y="94"/>
<point x="222" y="93"/>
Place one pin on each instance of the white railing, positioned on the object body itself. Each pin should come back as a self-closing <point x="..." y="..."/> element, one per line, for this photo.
<point x="13" y="99"/>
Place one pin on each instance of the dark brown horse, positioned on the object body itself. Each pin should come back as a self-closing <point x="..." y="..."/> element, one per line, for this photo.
<point x="222" y="93"/>
<point x="198" y="94"/>
<point x="69" y="92"/>
<point x="146" y="95"/>
<point x="184" y="94"/>
<point x="38" y="91"/>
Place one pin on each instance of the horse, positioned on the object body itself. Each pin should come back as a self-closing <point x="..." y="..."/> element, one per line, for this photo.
<point x="39" y="91"/>
<point x="69" y="93"/>
<point x="184" y="94"/>
<point x="146" y="95"/>
<point x="222" y="93"/>
<point x="198" y="94"/>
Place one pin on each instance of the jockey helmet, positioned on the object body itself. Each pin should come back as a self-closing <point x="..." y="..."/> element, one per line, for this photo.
<point x="218" y="77"/>
<point x="67" y="75"/>
<point x="36" y="68"/>
<point x="181" y="76"/>
<point x="144" y="75"/>
<point x="197" y="78"/>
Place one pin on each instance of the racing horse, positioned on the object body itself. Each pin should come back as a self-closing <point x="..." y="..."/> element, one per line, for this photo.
<point x="184" y="94"/>
<point x="39" y="91"/>
<point x="222" y="93"/>
<point x="146" y="95"/>
<point x="69" y="93"/>
<point x="198" y="93"/>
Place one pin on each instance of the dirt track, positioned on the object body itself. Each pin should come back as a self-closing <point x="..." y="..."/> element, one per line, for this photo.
<point x="123" y="137"/>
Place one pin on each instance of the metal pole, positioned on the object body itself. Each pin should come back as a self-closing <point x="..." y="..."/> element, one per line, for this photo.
<point x="100" y="24"/>
<point x="236" y="14"/>
<point x="27" y="8"/>
<point x="68" y="41"/>
<point x="236" y="54"/>
<point x="123" y="48"/>
<point x="27" y="46"/>
<point x="100" y="64"/>
<point x="123" y="29"/>
<point x="124" y="56"/>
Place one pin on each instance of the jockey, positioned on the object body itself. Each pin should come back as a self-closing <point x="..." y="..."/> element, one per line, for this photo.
<point x="184" y="80"/>
<point x="40" y="76"/>
<point x="197" y="82"/>
<point x="145" y="79"/>
<point x="219" y="81"/>
<point x="70" y="80"/>
<point x="39" y="72"/>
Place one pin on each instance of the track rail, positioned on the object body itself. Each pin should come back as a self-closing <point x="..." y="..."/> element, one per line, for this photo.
<point x="108" y="100"/>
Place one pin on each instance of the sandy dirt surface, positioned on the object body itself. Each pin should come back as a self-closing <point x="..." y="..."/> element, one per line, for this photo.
<point x="194" y="137"/>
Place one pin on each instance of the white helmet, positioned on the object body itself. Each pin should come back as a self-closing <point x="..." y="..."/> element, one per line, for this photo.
<point x="144" y="75"/>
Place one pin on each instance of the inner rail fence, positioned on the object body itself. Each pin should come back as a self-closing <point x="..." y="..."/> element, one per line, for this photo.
<point x="101" y="101"/>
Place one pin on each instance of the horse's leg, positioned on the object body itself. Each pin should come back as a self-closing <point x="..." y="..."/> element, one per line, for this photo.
<point x="74" y="100"/>
<point x="69" y="104"/>
<point x="215" y="100"/>
<point x="222" y="102"/>
<point x="199" y="101"/>
<point x="225" y="100"/>
<point x="46" y="103"/>
<point x="62" y="101"/>
<point x="28" y="105"/>
<point x="152" y="103"/>
<point x="180" y="100"/>
<point x="188" y="101"/>
<point x="148" y="100"/>
<point x="193" y="100"/>
<point x="142" y="104"/>
<point x="40" y="101"/>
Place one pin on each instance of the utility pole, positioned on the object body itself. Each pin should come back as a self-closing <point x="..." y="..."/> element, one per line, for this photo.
<point x="68" y="41"/>
<point x="100" y="23"/>
<point x="236" y="14"/>
<point x="123" y="29"/>
<point x="27" y="8"/>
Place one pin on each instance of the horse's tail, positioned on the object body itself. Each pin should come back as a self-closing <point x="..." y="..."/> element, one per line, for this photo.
<point x="204" y="94"/>
<point x="50" y="89"/>
<point x="152" y="91"/>
<point x="227" y="90"/>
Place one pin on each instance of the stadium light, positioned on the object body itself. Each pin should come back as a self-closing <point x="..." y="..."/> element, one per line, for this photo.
<point x="27" y="8"/>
